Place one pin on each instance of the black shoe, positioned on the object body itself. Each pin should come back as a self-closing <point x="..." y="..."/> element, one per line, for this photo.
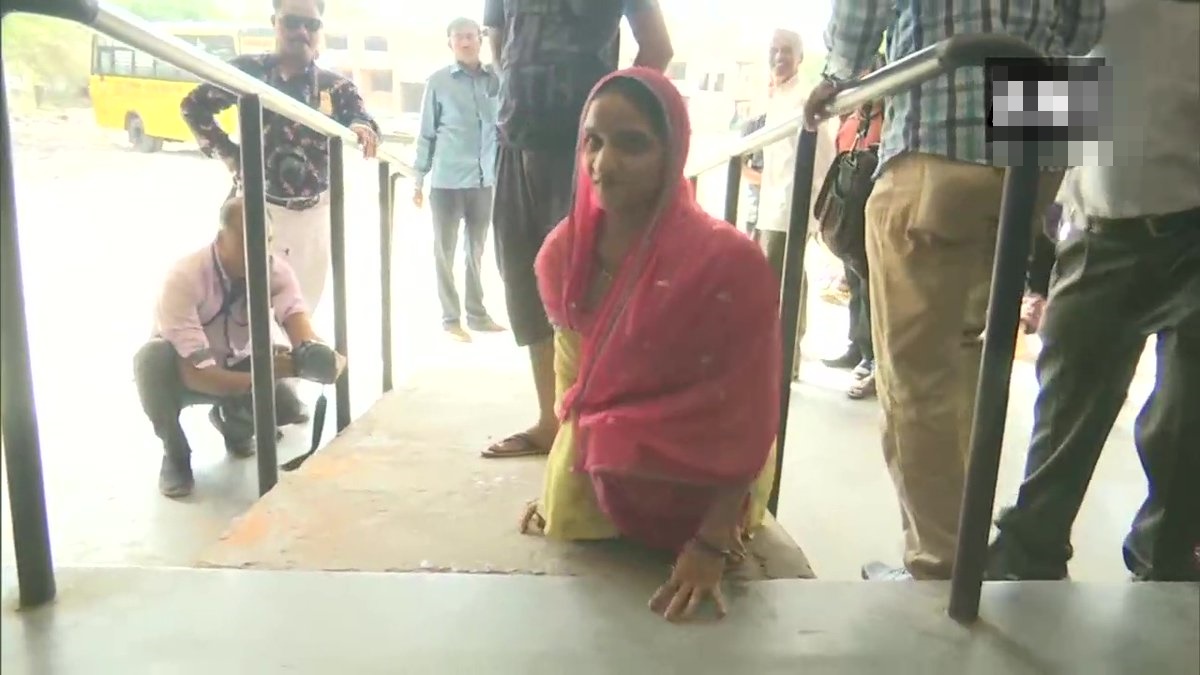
<point x="239" y="446"/>
<point x="175" y="478"/>
<point x="1008" y="560"/>
<point x="877" y="571"/>
<point x="848" y="360"/>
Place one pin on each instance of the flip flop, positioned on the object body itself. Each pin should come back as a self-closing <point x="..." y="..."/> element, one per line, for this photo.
<point x="521" y="445"/>
<point x="864" y="388"/>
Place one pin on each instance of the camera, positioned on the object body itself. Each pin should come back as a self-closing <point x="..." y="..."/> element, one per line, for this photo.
<point x="315" y="361"/>
<point x="287" y="165"/>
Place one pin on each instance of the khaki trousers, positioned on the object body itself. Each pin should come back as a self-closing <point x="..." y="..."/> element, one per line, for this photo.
<point x="931" y="238"/>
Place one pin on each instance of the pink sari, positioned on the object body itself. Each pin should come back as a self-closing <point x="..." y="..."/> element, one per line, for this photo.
<point x="678" y="387"/>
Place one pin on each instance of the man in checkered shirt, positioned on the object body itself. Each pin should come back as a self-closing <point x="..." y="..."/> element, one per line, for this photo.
<point x="931" y="232"/>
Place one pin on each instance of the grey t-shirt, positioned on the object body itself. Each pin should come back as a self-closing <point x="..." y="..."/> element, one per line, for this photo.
<point x="554" y="53"/>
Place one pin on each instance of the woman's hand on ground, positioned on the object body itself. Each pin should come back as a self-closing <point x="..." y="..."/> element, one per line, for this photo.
<point x="695" y="578"/>
<point x="532" y="517"/>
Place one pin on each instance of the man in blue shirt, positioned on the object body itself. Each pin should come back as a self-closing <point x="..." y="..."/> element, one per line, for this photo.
<point x="931" y="234"/>
<point x="456" y="149"/>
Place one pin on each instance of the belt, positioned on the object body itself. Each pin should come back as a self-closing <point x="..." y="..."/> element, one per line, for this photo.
<point x="296" y="203"/>
<point x="1163" y="225"/>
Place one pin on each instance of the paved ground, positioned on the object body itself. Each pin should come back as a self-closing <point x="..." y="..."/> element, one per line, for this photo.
<point x="100" y="224"/>
<point x="358" y="622"/>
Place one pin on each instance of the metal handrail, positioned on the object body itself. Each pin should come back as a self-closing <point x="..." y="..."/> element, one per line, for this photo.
<point x="35" y="570"/>
<point x="1008" y="279"/>
<point x="120" y="24"/>
<point x="35" y="567"/>
<point x="952" y="53"/>
<point x="948" y="55"/>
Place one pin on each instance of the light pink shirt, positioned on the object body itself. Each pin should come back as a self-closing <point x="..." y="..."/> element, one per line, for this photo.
<point x="202" y="311"/>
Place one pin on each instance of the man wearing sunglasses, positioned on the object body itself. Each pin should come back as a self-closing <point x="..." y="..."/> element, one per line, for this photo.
<point x="200" y="351"/>
<point x="297" y="158"/>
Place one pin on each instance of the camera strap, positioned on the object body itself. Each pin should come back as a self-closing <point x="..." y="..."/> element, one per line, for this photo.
<point x="318" y="421"/>
<point x="318" y="428"/>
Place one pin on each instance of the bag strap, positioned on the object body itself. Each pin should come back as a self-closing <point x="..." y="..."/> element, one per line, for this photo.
<point x="866" y="114"/>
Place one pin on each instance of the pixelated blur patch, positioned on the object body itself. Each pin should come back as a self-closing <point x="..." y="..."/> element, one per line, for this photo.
<point x="1052" y="112"/>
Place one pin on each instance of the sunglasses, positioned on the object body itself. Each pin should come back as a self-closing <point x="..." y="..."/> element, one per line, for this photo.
<point x="293" y="22"/>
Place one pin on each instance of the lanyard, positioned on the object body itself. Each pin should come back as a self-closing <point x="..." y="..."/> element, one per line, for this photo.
<point x="231" y="294"/>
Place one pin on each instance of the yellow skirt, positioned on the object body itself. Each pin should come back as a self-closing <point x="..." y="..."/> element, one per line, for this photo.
<point x="568" y="502"/>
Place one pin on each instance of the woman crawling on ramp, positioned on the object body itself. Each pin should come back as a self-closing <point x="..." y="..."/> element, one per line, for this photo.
<point x="667" y="352"/>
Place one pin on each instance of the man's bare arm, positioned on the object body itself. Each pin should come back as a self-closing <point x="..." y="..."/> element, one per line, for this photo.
<point x="214" y="380"/>
<point x="299" y="329"/>
<point x="653" y="40"/>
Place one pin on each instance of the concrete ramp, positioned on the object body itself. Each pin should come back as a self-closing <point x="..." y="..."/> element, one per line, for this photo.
<point x="190" y="621"/>
<point x="404" y="489"/>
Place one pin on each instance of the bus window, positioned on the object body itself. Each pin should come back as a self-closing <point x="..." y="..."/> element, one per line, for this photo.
<point x="134" y="92"/>
<point x="166" y="71"/>
<point x="122" y="61"/>
<point x="143" y="64"/>
<point x="104" y="61"/>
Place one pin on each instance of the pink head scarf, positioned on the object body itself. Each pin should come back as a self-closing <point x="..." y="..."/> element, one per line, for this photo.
<point x="679" y="375"/>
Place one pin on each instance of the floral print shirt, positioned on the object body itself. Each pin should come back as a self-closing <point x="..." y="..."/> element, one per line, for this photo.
<point x="324" y="90"/>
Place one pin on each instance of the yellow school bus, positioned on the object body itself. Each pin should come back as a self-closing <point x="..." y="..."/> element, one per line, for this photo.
<point x="134" y="92"/>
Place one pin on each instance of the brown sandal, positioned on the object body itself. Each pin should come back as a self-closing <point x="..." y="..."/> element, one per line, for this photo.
<point x="864" y="388"/>
<point x="518" y="445"/>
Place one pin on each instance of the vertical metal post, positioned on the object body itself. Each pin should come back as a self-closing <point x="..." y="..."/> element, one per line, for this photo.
<point x="733" y="188"/>
<point x="385" y="271"/>
<point x="258" y="286"/>
<point x="991" y="403"/>
<point x="337" y="247"/>
<point x="793" y="278"/>
<point x="22" y="446"/>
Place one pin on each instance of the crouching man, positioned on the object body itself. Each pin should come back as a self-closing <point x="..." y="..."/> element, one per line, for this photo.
<point x="200" y="352"/>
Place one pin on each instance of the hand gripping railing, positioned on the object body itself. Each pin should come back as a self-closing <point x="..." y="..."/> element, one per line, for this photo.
<point x="1012" y="251"/>
<point x="20" y="430"/>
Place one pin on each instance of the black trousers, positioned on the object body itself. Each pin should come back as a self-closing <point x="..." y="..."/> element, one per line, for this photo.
<point x="1113" y="288"/>
<point x="451" y="209"/>
<point x="533" y="194"/>
<point x="860" y="314"/>
<point x="163" y="397"/>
